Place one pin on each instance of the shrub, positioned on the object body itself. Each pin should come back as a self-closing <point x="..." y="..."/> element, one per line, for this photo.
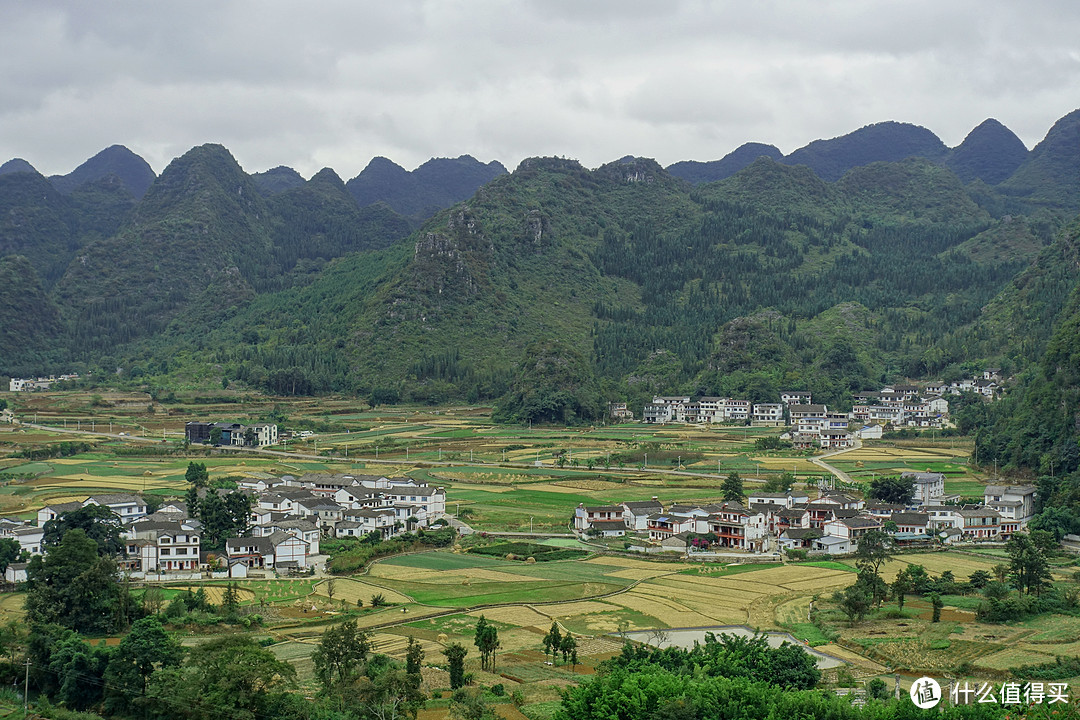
<point x="498" y="690"/>
<point x="877" y="689"/>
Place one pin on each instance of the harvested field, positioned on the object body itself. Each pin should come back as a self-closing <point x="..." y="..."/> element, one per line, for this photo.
<point x="588" y="484"/>
<point x="585" y="607"/>
<point x="516" y="615"/>
<point x="215" y="594"/>
<point x="961" y="564"/>
<point x="633" y="574"/>
<point x="668" y="612"/>
<point x="351" y="590"/>
<point x="1012" y="657"/>
<point x="625" y="562"/>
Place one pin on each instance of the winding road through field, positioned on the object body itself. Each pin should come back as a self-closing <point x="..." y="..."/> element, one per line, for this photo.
<point x="839" y="474"/>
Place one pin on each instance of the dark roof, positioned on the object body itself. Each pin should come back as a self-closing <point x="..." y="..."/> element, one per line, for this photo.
<point x="638" y="506"/>
<point x="802" y="533"/>
<point x="904" y="518"/>
<point x="262" y="545"/>
<point x="609" y="525"/>
<point x="860" y="522"/>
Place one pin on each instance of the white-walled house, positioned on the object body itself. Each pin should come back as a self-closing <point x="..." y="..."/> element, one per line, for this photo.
<point x="584" y="516"/>
<point x="301" y="528"/>
<point x="29" y="539"/>
<point x="1012" y="502"/>
<point x="636" y="513"/>
<point x="163" y="546"/>
<point x="15" y="573"/>
<point x="925" y="485"/>
<point x="277" y="551"/>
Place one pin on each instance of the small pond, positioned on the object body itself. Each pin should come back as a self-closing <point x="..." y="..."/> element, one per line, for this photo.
<point x="686" y="637"/>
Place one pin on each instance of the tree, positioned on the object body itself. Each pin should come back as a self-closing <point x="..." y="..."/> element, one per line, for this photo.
<point x="873" y="551"/>
<point x="197" y="474"/>
<point x="732" y="489"/>
<point x="979" y="579"/>
<point x="77" y="668"/>
<point x="391" y="695"/>
<point x="936" y="604"/>
<point x="153" y="599"/>
<point x="230" y="600"/>
<point x="330" y="588"/>
<point x="855" y="602"/>
<point x="142" y="651"/>
<point x="877" y="689"/>
<point x="74" y="587"/>
<point x="341" y="651"/>
<point x="1029" y="568"/>
<point x="900" y="587"/>
<point x="781" y="483"/>
<point x="892" y="489"/>
<point x="471" y="705"/>
<point x="567" y="646"/>
<point x="414" y="657"/>
<point x="487" y="642"/>
<point x="98" y="522"/>
<point x="455" y="655"/>
<point x="9" y="552"/>
<point x="552" y="640"/>
<point x="229" y="677"/>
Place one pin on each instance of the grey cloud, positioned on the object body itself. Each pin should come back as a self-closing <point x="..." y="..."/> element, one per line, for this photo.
<point x="337" y="82"/>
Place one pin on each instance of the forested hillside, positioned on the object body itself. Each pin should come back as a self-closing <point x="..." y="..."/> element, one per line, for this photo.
<point x="619" y="282"/>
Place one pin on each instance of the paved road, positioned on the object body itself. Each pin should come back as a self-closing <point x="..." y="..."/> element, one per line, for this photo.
<point x="839" y="474"/>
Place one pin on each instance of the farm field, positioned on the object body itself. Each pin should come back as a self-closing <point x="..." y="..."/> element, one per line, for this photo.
<point x="492" y="480"/>
<point x="598" y="465"/>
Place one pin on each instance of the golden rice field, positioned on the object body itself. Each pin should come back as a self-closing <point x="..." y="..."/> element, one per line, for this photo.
<point x="961" y="564"/>
<point x="518" y="615"/>
<point x="215" y="594"/>
<point x="351" y="590"/>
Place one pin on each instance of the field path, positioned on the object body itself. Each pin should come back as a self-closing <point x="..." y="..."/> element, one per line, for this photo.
<point x="839" y="474"/>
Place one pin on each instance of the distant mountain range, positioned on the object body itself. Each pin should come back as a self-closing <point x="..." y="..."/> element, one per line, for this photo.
<point x="990" y="153"/>
<point x="880" y="254"/>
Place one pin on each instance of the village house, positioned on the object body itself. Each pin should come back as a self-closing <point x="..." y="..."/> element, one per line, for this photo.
<point x="163" y="546"/>
<point x="277" y="551"/>
<point x="301" y="528"/>
<point x="15" y="573"/>
<point x="29" y="539"/>
<point x="851" y="528"/>
<point x="769" y="414"/>
<point x="584" y="516"/>
<point x="926" y="486"/>
<point x="1015" y="503"/>
<point x="636" y="513"/>
<point x="231" y="434"/>
<point x="795" y="397"/>
<point x="368" y="520"/>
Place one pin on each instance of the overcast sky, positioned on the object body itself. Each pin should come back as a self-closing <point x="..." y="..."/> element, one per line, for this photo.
<point x="334" y="84"/>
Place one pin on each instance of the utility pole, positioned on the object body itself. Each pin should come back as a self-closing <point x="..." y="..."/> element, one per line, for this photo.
<point x="26" y="689"/>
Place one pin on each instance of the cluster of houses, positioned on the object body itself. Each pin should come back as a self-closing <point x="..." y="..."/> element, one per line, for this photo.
<point x="289" y="516"/>
<point x="814" y="426"/>
<point x="830" y="524"/>
<point x="231" y="434"/>
<point x="41" y="383"/>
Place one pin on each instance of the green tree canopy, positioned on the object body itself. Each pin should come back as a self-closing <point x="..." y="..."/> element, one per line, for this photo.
<point x="892" y="489"/>
<point x="73" y="586"/>
<point x="732" y="489"/>
<point x="341" y="653"/>
<point x="98" y="522"/>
